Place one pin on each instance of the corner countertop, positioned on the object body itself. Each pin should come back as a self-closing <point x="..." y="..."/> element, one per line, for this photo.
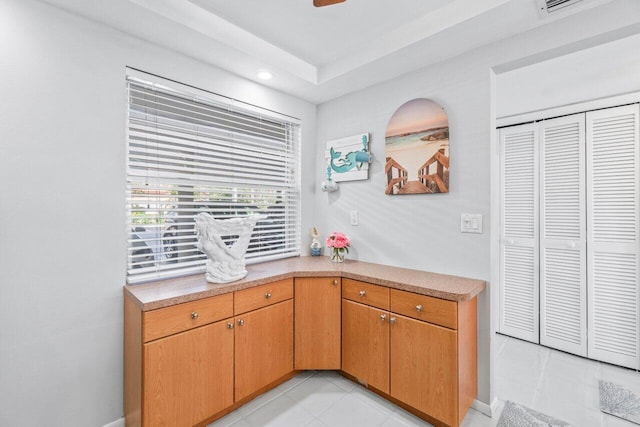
<point x="167" y="292"/>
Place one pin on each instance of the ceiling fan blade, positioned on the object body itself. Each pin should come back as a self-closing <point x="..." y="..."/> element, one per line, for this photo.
<point x="320" y="3"/>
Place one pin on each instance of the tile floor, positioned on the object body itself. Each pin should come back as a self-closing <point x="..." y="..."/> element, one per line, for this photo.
<point x="556" y="383"/>
<point x="549" y="381"/>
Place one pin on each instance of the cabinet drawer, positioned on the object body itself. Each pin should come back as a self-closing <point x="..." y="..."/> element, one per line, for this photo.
<point x="171" y="320"/>
<point x="262" y="296"/>
<point x="366" y="293"/>
<point x="434" y="310"/>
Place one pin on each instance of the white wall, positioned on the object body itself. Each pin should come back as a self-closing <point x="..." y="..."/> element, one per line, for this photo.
<point x="423" y="231"/>
<point x="62" y="211"/>
<point x="62" y="215"/>
<point x="418" y="231"/>
<point x="606" y="70"/>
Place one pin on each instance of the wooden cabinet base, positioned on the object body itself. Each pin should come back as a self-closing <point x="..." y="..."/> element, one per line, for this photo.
<point x="248" y="399"/>
<point x="433" y="421"/>
<point x="195" y="362"/>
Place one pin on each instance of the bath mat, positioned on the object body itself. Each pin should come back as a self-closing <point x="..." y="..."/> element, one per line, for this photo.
<point x="618" y="401"/>
<point x="515" y="415"/>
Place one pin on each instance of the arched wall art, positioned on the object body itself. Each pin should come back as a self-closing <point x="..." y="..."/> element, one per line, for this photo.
<point x="417" y="149"/>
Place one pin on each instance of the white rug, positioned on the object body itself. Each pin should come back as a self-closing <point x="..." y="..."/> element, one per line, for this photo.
<point x="515" y="415"/>
<point x="619" y="401"/>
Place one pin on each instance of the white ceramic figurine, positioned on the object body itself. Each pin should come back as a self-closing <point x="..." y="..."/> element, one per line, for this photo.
<point x="225" y="263"/>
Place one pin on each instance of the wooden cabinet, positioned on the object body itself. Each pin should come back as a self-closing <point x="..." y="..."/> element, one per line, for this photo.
<point x="365" y="293"/>
<point x="422" y="352"/>
<point x="424" y="367"/>
<point x="365" y="344"/>
<point x="188" y="376"/>
<point x="262" y="296"/>
<point x="190" y="363"/>
<point x="178" y="362"/>
<point x="317" y="323"/>
<point x="264" y="347"/>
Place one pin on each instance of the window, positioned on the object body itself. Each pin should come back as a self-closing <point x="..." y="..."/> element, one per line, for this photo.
<point x="190" y="151"/>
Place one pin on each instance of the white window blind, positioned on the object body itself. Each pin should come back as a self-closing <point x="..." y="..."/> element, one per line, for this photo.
<point x="189" y="152"/>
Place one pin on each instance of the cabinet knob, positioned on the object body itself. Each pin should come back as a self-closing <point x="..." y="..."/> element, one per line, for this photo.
<point x="229" y="325"/>
<point x="194" y="315"/>
<point x="419" y="308"/>
<point x="267" y="295"/>
<point x="392" y="320"/>
<point x="335" y="281"/>
<point x="240" y="322"/>
<point x="362" y="293"/>
<point x="383" y="317"/>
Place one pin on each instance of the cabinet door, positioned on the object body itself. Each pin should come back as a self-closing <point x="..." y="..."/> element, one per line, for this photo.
<point x="188" y="377"/>
<point x="519" y="286"/>
<point x="365" y="344"/>
<point x="317" y="323"/>
<point x="264" y="347"/>
<point x="424" y="362"/>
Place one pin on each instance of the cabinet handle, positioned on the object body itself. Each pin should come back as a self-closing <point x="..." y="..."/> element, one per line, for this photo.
<point x="362" y="293"/>
<point x="240" y="322"/>
<point x="383" y="317"/>
<point x="419" y="308"/>
<point x="392" y="320"/>
<point x="229" y="325"/>
<point x="335" y="281"/>
<point x="194" y="315"/>
<point x="267" y="295"/>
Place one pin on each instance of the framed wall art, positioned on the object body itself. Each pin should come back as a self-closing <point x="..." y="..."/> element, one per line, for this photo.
<point x="417" y="149"/>
<point x="348" y="158"/>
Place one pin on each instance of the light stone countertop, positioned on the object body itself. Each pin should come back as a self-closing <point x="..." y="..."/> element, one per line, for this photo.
<point x="167" y="292"/>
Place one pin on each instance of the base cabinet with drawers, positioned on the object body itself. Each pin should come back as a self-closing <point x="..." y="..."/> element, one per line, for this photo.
<point x="191" y="363"/>
<point x="188" y="362"/>
<point x="417" y="349"/>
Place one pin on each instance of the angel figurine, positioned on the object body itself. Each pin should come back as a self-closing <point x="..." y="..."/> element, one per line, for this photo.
<point x="225" y="263"/>
<point x="316" y="247"/>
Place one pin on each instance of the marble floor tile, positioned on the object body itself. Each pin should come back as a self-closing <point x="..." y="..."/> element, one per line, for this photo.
<point x="548" y="381"/>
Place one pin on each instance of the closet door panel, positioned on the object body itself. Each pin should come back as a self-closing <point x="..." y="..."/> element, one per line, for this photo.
<point x="612" y="233"/>
<point x="563" y="287"/>
<point x="519" y="281"/>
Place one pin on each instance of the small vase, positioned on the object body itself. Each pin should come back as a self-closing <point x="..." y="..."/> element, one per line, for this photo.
<point x="337" y="256"/>
<point x="316" y="249"/>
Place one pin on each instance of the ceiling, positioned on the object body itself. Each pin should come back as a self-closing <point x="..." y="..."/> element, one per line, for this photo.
<point x="319" y="54"/>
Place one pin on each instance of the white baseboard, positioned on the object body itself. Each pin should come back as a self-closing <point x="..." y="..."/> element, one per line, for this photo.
<point x="116" y="423"/>
<point x="488" y="410"/>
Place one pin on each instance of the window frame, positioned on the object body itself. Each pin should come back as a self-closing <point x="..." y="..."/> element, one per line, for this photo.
<point x="161" y="238"/>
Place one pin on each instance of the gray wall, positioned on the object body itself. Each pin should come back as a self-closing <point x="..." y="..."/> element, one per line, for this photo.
<point x="62" y="208"/>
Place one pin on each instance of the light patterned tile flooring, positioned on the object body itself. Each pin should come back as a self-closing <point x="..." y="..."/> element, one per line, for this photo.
<point x="549" y="381"/>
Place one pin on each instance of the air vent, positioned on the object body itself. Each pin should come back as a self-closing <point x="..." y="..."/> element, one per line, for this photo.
<point x="551" y="6"/>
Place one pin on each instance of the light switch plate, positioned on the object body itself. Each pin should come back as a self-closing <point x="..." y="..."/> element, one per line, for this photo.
<point x="471" y="223"/>
<point x="354" y="219"/>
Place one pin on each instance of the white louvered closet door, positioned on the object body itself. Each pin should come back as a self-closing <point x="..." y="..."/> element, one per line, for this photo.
<point x="563" y="284"/>
<point x="612" y="236"/>
<point x="519" y="287"/>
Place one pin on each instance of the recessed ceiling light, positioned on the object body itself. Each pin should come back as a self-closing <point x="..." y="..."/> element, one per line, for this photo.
<point x="265" y="75"/>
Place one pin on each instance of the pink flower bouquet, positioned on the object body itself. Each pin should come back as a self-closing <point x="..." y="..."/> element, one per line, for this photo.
<point x="339" y="244"/>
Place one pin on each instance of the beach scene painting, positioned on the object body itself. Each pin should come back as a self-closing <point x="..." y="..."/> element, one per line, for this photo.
<point x="417" y="149"/>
